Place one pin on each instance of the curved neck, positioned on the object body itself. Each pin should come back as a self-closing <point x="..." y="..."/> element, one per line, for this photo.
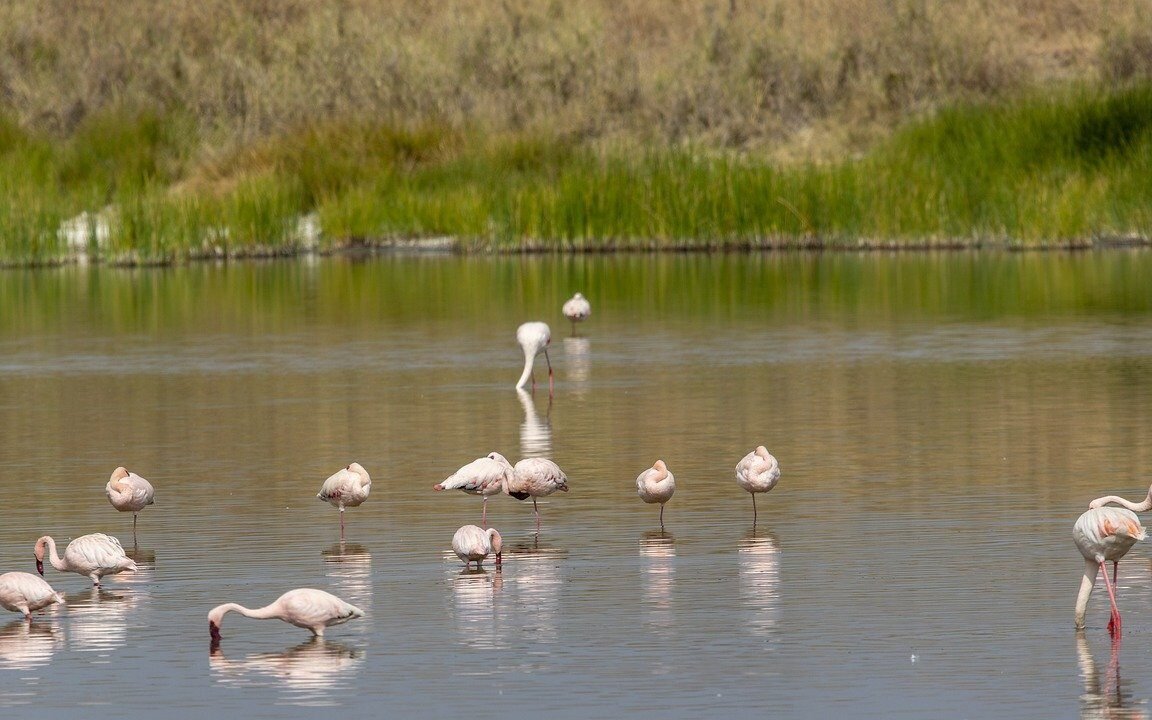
<point x="529" y="359"/>
<point x="1143" y="506"/>
<point x="268" y="611"/>
<point x="55" y="559"/>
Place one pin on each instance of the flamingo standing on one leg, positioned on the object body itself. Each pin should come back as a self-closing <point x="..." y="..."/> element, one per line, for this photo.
<point x="577" y="309"/>
<point x="128" y="492"/>
<point x="484" y="476"/>
<point x="656" y="485"/>
<point x="303" y="607"/>
<point x="347" y="487"/>
<point x="1143" y="506"/>
<point x="757" y="472"/>
<point x="534" y="338"/>
<point x="26" y="593"/>
<point x="1102" y="534"/>
<point x="473" y="543"/>
<point x="94" y="555"/>
<point x="536" y="477"/>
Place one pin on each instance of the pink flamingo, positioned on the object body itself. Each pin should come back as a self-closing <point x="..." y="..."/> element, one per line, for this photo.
<point x="1142" y="506"/>
<point x="533" y="478"/>
<point x="1102" y="534"/>
<point x="26" y="593"/>
<point x="656" y="485"/>
<point x="348" y="487"/>
<point x="307" y="608"/>
<point x="577" y="309"/>
<point x="534" y="338"/>
<point x="473" y="543"/>
<point x="128" y="492"/>
<point x="757" y="472"/>
<point x="94" y="555"/>
<point x="483" y="476"/>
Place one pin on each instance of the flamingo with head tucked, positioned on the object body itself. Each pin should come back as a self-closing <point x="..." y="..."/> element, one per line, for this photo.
<point x="347" y="487"/>
<point x="577" y="309"/>
<point x="534" y="338"/>
<point x="26" y="593"/>
<point x="1102" y="534"/>
<point x="533" y="478"/>
<point x="128" y="492"/>
<point x="307" y="608"/>
<point x="471" y="543"/>
<point x="656" y="485"/>
<point x="757" y="472"/>
<point x="484" y="476"/>
<point x="94" y="555"/>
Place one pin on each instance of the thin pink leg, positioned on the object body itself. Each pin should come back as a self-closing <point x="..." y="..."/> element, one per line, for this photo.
<point x="1114" y="622"/>
<point x="753" y="508"/>
<point x="484" y="515"/>
<point x="1115" y="565"/>
<point x="550" y="384"/>
<point x="341" y="523"/>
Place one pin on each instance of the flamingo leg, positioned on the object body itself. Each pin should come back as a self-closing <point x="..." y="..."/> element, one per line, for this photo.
<point x="1115" y="565"/>
<point x="484" y="514"/>
<point x="1114" y="621"/>
<point x="341" y="522"/>
<point x="537" y="511"/>
<point x="753" y="508"/>
<point x="549" y="361"/>
<point x="661" y="516"/>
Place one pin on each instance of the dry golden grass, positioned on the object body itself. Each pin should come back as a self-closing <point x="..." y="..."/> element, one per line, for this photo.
<point x="791" y="77"/>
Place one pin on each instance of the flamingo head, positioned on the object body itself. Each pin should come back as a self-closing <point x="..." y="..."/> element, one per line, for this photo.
<point x="214" y="631"/>
<point x="119" y="474"/>
<point x="497" y="544"/>
<point x="39" y="552"/>
<point x="39" y="566"/>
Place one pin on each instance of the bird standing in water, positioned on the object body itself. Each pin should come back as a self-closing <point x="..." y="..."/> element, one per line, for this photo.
<point x="534" y="338"/>
<point x="347" y="487"/>
<point x="757" y="472"/>
<point x="536" y="477"/>
<point x="26" y="593"/>
<point x="128" y="492"/>
<point x="1102" y="534"/>
<point x="303" y="607"/>
<point x="471" y="543"/>
<point x="94" y="556"/>
<point x="656" y="485"/>
<point x="577" y="309"/>
<point x="483" y="476"/>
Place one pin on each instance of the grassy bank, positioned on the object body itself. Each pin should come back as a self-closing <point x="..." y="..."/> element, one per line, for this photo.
<point x="1041" y="170"/>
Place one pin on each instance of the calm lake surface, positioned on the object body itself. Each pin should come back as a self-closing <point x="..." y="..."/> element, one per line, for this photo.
<point x="940" y="419"/>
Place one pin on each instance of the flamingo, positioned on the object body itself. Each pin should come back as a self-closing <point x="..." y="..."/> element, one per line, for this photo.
<point x="473" y="543"/>
<point x="303" y="607"/>
<point x="26" y="593"/>
<point x="1142" y="506"/>
<point x="534" y="338"/>
<point x="577" y="310"/>
<point x="94" y="555"/>
<point x="533" y="478"/>
<point x="128" y="492"/>
<point x="1102" y="534"/>
<point x="347" y="487"/>
<point x="483" y="476"/>
<point x="656" y="485"/>
<point x="757" y="472"/>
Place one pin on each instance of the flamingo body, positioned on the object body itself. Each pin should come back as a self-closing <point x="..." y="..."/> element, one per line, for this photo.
<point x="94" y="555"/>
<point x="484" y="476"/>
<point x="757" y="472"/>
<point x="26" y="593"/>
<point x="656" y="485"/>
<point x="347" y="487"/>
<point x="471" y="543"/>
<point x="577" y="309"/>
<point x="1103" y="534"/>
<point x="128" y="492"/>
<point x="307" y="608"/>
<point x="534" y="338"/>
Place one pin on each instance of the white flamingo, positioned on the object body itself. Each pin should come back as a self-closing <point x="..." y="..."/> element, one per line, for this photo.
<point x="474" y="543"/>
<point x="307" y="608"/>
<point x="1102" y="534"/>
<point x="536" y="477"/>
<point x="534" y="338"/>
<point x="483" y="476"/>
<point x="347" y="487"/>
<point x="26" y="593"/>
<point x="1143" y="506"/>
<point x="128" y="492"/>
<point x="94" y="555"/>
<point x="656" y="485"/>
<point x="577" y="309"/>
<point x="757" y="472"/>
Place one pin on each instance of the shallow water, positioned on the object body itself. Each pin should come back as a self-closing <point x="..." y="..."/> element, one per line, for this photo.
<point x="940" y="419"/>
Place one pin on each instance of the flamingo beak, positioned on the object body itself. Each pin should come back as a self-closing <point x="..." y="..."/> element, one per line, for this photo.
<point x="39" y="566"/>
<point x="499" y="561"/>
<point x="214" y="631"/>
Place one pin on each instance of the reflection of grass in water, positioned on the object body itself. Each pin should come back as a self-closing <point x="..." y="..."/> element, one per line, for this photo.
<point x="1037" y="171"/>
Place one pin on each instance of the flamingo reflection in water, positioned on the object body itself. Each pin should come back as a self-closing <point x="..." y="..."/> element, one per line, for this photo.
<point x="1110" y="699"/>
<point x="658" y="551"/>
<point x="759" y="567"/>
<point x="535" y="433"/>
<point x="578" y="362"/>
<point x="536" y="576"/>
<point x="25" y="645"/>
<point x="310" y="672"/>
<point x="99" y="619"/>
<point x="349" y="566"/>
<point x="481" y="621"/>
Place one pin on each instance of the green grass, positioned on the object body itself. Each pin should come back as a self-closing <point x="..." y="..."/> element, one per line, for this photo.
<point x="1036" y="172"/>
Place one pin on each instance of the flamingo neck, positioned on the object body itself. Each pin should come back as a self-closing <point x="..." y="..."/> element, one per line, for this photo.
<point x="263" y="613"/>
<point x="55" y="559"/>
<point x="529" y="360"/>
<point x="1143" y="506"/>
<point x="1091" y="567"/>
